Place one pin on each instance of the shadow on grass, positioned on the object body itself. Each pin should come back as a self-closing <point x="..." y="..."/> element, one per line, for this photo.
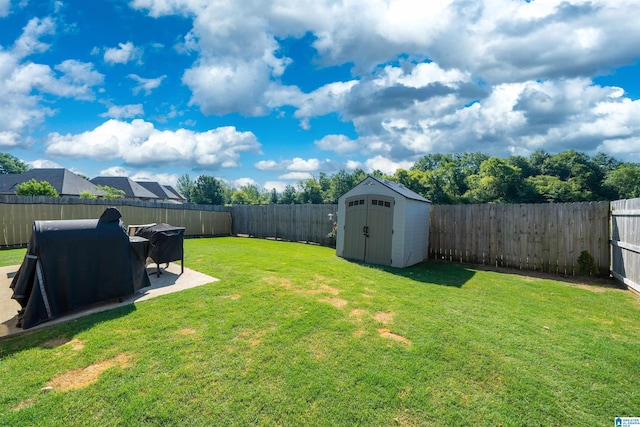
<point x="61" y="332"/>
<point x="430" y="272"/>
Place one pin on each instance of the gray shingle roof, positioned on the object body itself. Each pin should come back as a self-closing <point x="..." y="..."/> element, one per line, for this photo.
<point x="157" y="189"/>
<point x="64" y="181"/>
<point x="401" y="189"/>
<point x="175" y="192"/>
<point x="131" y="188"/>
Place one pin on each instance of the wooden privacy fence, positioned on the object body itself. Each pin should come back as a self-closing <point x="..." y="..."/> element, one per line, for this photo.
<point x="625" y="242"/>
<point x="542" y="237"/>
<point x="296" y="223"/>
<point x="18" y="213"/>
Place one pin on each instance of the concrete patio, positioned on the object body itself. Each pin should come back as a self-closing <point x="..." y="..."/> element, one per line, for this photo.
<point x="169" y="281"/>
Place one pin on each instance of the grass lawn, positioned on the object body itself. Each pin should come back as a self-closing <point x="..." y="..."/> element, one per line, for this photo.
<point x="293" y="335"/>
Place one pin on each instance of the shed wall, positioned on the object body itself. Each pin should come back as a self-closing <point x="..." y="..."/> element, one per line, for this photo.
<point x="416" y="232"/>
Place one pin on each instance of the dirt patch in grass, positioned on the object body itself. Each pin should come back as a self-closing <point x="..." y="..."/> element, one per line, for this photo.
<point x="233" y="296"/>
<point x="83" y="377"/>
<point x="23" y="404"/>
<point x="386" y="333"/>
<point x="336" y="302"/>
<point x="325" y="289"/>
<point x="187" y="331"/>
<point x="359" y="332"/>
<point x="75" y="343"/>
<point x="252" y="337"/>
<point x="385" y="317"/>
<point x="358" y="313"/>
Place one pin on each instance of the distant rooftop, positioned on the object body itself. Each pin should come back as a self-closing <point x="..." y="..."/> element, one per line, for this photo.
<point x="64" y="181"/>
<point x="132" y="189"/>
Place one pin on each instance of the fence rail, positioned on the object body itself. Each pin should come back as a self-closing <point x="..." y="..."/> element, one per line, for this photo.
<point x="541" y="237"/>
<point x="625" y="242"/>
<point x="17" y="218"/>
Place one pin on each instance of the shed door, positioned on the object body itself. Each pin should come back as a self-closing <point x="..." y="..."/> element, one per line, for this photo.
<point x="369" y="229"/>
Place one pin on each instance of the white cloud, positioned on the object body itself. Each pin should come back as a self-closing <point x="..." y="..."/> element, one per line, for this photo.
<point x="124" y="111"/>
<point x="162" y="178"/>
<point x="125" y="52"/>
<point x="302" y="165"/>
<point x="278" y="185"/>
<point x="115" y="171"/>
<point x="23" y="84"/>
<point x="139" y="143"/>
<point x="385" y="165"/>
<point x="338" y="143"/>
<point x="4" y="8"/>
<point x="242" y="182"/>
<point x="44" y="164"/>
<point x="145" y="84"/>
<point x="353" y="165"/>
<point x="296" y="176"/>
<point x="269" y="165"/>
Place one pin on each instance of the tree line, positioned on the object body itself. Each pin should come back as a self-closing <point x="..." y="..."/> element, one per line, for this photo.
<point x="569" y="176"/>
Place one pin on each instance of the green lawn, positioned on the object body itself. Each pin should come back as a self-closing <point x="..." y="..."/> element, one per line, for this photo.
<point x="293" y="335"/>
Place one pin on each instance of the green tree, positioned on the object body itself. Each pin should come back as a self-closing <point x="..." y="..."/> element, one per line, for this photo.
<point x="36" y="188"/>
<point x="310" y="191"/>
<point x="289" y="195"/>
<point x="110" y="193"/>
<point x="185" y="186"/>
<point x="273" y="196"/>
<point x="11" y="164"/>
<point x="208" y="191"/>
<point x="86" y="194"/>
<point x="625" y="180"/>
<point x="497" y="181"/>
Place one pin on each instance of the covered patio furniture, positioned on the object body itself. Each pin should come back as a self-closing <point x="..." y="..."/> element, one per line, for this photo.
<point x="73" y="264"/>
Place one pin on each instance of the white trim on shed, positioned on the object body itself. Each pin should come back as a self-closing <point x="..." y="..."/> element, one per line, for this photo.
<point x="408" y="234"/>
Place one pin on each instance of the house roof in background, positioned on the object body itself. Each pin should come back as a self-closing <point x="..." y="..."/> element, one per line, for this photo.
<point x="131" y="188"/>
<point x="157" y="189"/>
<point x="175" y="192"/>
<point x="64" y="181"/>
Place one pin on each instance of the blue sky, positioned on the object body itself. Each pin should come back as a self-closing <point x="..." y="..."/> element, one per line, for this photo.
<point x="271" y="92"/>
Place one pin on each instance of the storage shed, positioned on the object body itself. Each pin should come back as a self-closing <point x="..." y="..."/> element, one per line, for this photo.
<point x="382" y="222"/>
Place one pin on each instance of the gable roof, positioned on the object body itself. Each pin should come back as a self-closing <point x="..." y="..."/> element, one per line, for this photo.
<point x="131" y="188"/>
<point x="177" y="194"/>
<point x="157" y="189"/>
<point x="398" y="188"/>
<point x="64" y="181"/>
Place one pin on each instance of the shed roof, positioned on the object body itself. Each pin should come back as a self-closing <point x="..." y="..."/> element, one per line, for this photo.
<point x="131" y="188"/>
<point x="64" y="181"/>
<point x="398" y="188"/>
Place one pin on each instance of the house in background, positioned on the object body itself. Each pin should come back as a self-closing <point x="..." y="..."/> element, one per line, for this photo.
<point x="132" y="190"/>
<point x="164" y="192"/>
<point x="177" y="194"/>
<point x="64" y="181"/>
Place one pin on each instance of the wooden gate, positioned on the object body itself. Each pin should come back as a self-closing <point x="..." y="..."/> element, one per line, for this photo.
<point x="625" y="242"/>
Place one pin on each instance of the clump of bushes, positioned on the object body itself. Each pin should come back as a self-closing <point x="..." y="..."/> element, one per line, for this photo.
<point x="587" y="264"/>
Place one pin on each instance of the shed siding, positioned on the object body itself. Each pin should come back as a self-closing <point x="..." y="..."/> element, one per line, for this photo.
<point x="416" y="237"/>
<point x="399" y="226"/>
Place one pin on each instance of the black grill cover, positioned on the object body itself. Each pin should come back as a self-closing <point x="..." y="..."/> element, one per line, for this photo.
<point x="166" y="242"/>
<point x="73" y="264"/>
